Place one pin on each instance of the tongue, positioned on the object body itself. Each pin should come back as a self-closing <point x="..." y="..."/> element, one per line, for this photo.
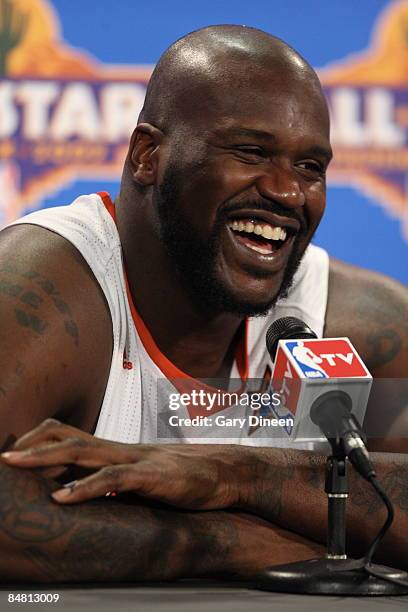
<point x="260" y="246"/>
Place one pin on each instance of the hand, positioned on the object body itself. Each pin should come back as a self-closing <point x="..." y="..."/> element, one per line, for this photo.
<point x="198" y="476"/>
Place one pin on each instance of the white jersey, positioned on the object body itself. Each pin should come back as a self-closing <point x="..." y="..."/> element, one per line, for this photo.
<point x="143" y="385"/>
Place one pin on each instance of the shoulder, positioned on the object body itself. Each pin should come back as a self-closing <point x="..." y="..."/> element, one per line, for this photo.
<point x="55" y="331"/>
<point x="372" y="310"/>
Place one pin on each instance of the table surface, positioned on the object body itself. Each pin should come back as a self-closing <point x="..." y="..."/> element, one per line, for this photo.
<point x="192" y="596"/>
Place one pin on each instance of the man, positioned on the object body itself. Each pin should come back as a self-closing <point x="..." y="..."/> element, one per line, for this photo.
<point x="222" y="191"/>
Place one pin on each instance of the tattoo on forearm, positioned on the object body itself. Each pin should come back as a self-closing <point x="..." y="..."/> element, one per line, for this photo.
<point x="33" y="300"/>
<point x="107" y="540"/>
<point x="395" y="483"/>
<point x="23" y="514"/>
<point x="362" y="495"/>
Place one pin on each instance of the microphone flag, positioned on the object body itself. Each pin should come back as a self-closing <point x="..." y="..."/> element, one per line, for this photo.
<point x="305" y="369"/>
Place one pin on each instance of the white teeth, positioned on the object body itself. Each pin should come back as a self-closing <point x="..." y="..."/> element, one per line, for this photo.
<point x="267" y="231"/>
<point x="276" y="232"/>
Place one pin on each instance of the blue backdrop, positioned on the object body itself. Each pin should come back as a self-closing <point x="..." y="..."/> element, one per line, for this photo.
<point x="359" y="226"/>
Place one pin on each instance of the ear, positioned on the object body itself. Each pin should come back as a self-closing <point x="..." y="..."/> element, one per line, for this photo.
<point x="143" y="153"/>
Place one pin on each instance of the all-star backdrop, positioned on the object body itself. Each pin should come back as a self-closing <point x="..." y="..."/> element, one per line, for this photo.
<point x="73" y="76"/>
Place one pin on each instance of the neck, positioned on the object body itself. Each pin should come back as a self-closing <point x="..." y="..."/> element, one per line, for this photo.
<point x="199" y="345"/>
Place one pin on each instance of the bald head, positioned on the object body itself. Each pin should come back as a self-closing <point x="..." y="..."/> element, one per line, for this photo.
<point x="198" y="69"/>
<point x="234" y="121"/>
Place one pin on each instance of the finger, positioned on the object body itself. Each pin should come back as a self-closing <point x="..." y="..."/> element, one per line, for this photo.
<point x="90" y="453"/>
<point x="118" y="479"/>
<point x="52" y="472"/>
<point x="49" y="430"/>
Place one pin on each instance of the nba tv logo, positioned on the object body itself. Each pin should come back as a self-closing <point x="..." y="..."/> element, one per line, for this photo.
<point x="326" y="358"/>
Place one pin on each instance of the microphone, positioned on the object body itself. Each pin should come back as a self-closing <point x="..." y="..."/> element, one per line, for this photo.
<point x="328" y="376"/>
<point x="286" y="328"/>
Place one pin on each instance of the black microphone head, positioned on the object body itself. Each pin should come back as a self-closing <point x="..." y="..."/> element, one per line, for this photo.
<point x="330" y="408"/>
<point x="286" y="328"/>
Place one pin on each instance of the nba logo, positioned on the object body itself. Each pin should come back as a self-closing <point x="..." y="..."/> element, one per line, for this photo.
<point x="303" y="369"/>
<point x="334" y="358"/>
<point x="307" y="360"/>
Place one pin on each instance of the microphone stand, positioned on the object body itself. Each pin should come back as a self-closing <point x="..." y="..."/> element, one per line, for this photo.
<point x="335" y="574"/>
<point x="336" y="488"/>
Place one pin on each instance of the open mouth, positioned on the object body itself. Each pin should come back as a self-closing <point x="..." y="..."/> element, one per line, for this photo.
<point x="260" y="236"/>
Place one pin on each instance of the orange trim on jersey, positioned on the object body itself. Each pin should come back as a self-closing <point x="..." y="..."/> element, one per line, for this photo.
<point x="109" y="205"/>
<point x="182" y="381"/>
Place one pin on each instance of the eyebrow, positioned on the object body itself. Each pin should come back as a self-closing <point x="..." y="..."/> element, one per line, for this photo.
<point x="320" y="151"/>
<point x="246" y="132"/>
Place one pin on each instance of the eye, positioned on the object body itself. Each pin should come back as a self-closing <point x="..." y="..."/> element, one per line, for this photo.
<point x="250" y="153"/>
<point x="312" y="167"/>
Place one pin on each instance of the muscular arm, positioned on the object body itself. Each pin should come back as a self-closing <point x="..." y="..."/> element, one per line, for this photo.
<point x="284" y="487"/>
<point x="112" y="541"/>
<point x="288" y="489"/>
<point x="55" y="333"/>
<point x="372" y="310"/>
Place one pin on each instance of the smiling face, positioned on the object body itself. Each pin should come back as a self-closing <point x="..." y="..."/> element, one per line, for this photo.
<point x="243" y="190"/>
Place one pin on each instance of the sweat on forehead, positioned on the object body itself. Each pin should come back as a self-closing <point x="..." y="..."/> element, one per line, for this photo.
<point x="196" y="67"/>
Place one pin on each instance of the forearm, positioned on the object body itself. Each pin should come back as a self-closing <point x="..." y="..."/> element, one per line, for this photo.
<point x="111" y="540"/>
<point x="288" y="489"/>
<point x="98" y="541"/>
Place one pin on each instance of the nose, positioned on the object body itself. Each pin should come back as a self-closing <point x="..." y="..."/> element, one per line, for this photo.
<point x="281" y="185"/>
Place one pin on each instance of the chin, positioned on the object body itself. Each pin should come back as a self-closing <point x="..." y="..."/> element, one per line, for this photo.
<point x="258" y="293"/>
<point x="249" y="309"/>
<point x="246" y="303"/>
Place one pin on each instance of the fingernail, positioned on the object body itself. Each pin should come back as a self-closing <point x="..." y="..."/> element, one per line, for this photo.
<point x="12" y="454"/>
<point x="70" y="485"/>
<point x="62" y="493"/>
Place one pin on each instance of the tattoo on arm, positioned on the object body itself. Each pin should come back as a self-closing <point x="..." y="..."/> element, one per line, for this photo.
<point x="394" y="479"/>
<point x="395" y="483"/>
<point x="26" y="319"/>
<point x="384" y="346"/>
<point x="31" y="299"/>
<point x="106" y="540"/>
